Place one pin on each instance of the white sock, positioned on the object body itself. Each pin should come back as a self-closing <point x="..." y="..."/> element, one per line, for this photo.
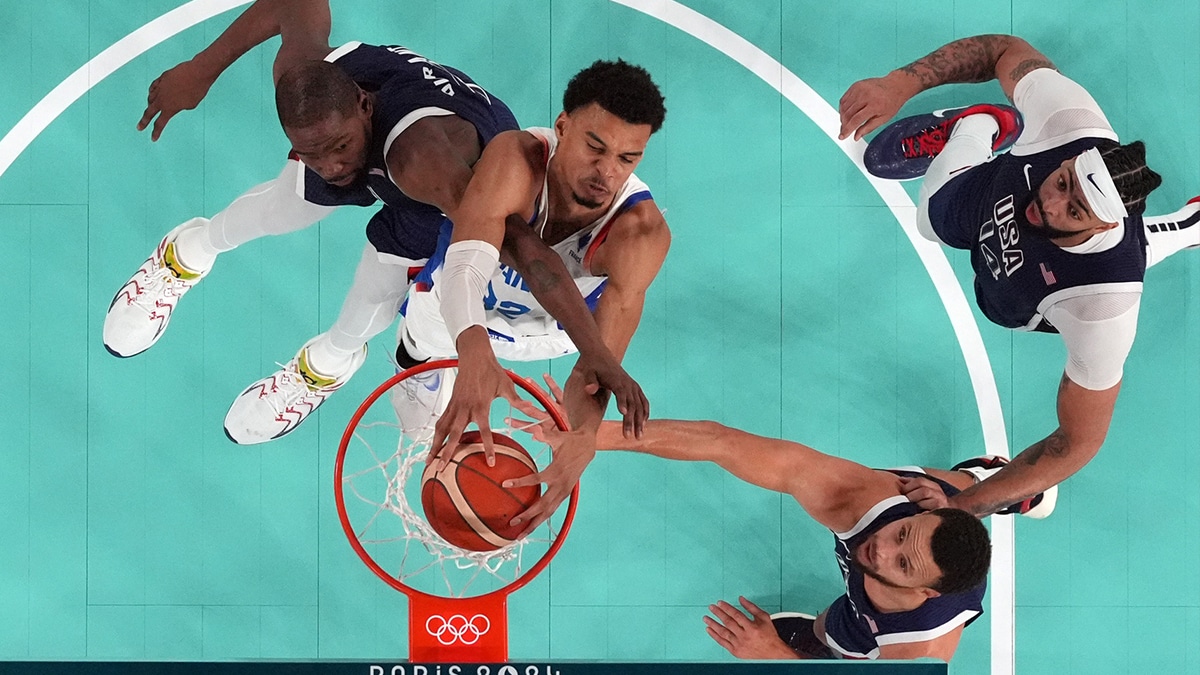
<point x="328" y="359"/>
<point x="979" y="126"/>
<point x="193" y="247"/>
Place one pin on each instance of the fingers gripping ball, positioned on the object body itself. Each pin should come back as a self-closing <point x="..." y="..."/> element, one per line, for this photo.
<point x="465" y="503"/>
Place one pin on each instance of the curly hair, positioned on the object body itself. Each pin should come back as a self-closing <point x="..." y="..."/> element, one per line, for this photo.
<point x="622" y="89"/>
<point x="961" y="549"/>
<point x="311" y="92"/>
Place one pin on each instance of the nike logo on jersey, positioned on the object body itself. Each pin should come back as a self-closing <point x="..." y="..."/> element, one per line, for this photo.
<point x="1027" y="183"/>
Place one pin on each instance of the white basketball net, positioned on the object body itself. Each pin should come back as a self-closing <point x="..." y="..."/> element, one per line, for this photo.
<point x="379" y="489"/>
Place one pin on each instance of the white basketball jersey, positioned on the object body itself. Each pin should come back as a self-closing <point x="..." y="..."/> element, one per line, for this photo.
<point x="520" y="328"/>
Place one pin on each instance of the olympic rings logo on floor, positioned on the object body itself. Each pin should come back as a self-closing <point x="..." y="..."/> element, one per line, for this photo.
<point x="457" y="628"/>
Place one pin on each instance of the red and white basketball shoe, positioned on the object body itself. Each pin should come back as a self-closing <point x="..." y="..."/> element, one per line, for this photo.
<point x="141" y="310"/>
<point x="275" y="405"/>
<point x="1038" y="506"/>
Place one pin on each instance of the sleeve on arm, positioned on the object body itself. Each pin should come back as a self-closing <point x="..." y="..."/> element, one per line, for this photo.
<point x="1098" y="331"/>
<point x="1056" y="110"/>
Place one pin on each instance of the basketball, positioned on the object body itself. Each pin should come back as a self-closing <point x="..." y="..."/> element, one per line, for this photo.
<point x="465" y="503"/>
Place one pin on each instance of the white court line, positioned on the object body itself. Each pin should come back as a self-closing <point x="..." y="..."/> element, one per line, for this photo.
<point x="101" y="66"/>
<point x="770" y="71"/>
<point x="979" y="367"/>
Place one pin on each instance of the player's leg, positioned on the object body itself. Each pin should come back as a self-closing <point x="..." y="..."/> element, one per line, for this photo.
<point x="275" y="405"/>
<point x="142" y="308"/>
<point x="420" y="400"/>
<point x="970" y="144"/>
<point x="1171" y="233"/>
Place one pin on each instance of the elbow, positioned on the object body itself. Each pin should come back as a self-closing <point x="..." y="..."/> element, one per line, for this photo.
<point x="714" y="434"/>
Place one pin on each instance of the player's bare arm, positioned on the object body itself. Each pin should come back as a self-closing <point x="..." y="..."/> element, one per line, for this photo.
<point x="1084" y="416"/>
<point x="834" y="491"/>
<point x="630" y="257"/>
<point x="551" y="284"/>
<point x="304" y="25"/>
<point x="432" y="162"/>
<point x="869" y="103"/>
<point x="505" y="183"/>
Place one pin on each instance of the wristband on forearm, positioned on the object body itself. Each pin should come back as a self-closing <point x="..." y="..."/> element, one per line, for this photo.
<point x="468" y="267"/>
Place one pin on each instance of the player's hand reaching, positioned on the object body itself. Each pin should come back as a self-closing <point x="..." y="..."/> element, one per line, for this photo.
<point x="924" y="493"/>
<point x="540" y="424"/>
<point x="869" y="103"/>
<point x="572" y="452"/>
<point x="605" y="372"/>
<point x="480" y="381"/>
<point x="746" y="636"/>
<point x="180" y="88"/>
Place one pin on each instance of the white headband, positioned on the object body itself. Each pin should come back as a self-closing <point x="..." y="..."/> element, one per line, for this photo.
<point x="1099" y="188"/>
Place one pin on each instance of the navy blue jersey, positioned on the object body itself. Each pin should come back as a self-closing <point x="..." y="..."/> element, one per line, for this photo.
<point x="855" y="629"/>
<point x="1018" y="274"/>
<point x="407" y="87"/>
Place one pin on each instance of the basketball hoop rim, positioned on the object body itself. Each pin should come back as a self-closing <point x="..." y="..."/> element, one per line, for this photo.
<point x="348" y="530"/>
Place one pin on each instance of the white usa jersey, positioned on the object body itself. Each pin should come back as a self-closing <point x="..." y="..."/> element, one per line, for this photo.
<point x="519" y="327"/>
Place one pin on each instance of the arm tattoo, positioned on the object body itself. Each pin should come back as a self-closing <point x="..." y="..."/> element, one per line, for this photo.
<point x="971" y="59"/>
<point x="985" y="510"/>
<point x="1027" y="66"/>
<point x="1054" y="445"/>
<point x="541" y="276"/>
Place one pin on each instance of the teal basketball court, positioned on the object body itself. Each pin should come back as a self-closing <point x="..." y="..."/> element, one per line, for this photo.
<point x="793" y="303"/>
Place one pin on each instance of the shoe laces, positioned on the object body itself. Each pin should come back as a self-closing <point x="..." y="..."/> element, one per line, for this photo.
<point x="289" y="385"/>
<point x="925" y="143"/>
<point x="416" y="387"/>
<point x="160" y="283"/>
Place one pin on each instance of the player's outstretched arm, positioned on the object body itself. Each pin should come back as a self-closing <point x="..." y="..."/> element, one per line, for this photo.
<point x="503" y="184"/>
<point x="630" y="257"/>
<point x="1084" y="416"/>
<point x="869" y="103"/>
<point x="834" y="491"/>
<point x="304" y="25"/>
<point x="550" y="282"/>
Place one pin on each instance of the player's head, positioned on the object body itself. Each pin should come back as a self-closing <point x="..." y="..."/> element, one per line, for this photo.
<point x="610" y="109"/>
<point x="942" y="551"/>
<point x="1093" y="191"/>
<point x="327" y="118"/>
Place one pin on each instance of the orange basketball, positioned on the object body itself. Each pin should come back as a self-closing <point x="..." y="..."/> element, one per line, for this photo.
<point x="465" y="502"/>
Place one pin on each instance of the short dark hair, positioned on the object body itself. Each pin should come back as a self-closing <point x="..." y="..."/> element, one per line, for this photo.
<point x="622" y="89"/>
<point x="312" y="91"/>
<point x="1127" y="166"/>
<point x="961" y="549"/>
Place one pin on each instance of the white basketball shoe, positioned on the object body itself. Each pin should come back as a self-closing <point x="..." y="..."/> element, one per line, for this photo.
<point x="275" y="405"/>
<point x="141" y="310"/>
<point x="420" y="400"/>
